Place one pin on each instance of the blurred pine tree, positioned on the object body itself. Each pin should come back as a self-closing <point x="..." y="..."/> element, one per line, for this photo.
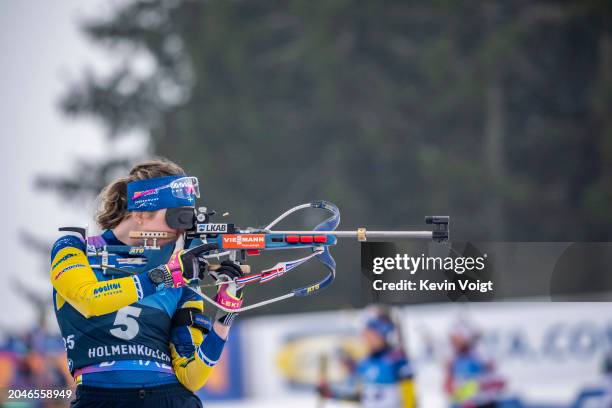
<point x="489" y="111"/>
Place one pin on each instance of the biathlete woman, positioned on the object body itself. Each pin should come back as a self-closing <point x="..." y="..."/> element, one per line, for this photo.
<point x="140" y="339"/>
<point x="385" y="378"/>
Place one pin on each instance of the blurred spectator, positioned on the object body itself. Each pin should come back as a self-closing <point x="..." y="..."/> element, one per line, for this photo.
<point x="385" y="377"/>
<point x="34" y="359"/>
<point x="471" y="380"/>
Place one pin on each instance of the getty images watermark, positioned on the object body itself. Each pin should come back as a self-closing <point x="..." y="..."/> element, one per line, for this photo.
<point x="405" y="272"/>
<point x="414" y="264"/>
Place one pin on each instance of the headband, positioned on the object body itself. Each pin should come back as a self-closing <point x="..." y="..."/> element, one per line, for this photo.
<point x="162" y="192"/>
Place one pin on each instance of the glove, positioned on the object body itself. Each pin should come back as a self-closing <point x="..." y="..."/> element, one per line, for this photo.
<point x="183" y="267"/>
<point x="229" y="294"/>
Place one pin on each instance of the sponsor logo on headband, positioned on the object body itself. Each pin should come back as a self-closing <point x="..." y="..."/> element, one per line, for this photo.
<point x="148" y="202"/>
<point x="138" y="194"/>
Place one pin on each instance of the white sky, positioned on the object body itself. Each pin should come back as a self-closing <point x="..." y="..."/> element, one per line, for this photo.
<point x="41" y="49"/>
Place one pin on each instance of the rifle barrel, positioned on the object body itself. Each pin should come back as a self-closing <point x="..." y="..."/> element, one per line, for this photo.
<point x="368" y="234"/>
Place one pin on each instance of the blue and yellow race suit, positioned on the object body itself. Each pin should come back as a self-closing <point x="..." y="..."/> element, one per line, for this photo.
<point x="471" y="380"/>
<point x="384" y="379"/>
<point x="119" y="332"/>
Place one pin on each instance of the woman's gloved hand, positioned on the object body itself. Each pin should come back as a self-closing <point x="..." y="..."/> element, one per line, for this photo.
<point x="229" y="294"/>
<point x="183" y="267"/>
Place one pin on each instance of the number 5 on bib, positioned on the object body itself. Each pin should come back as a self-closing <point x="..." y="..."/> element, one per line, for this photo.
<point x="126" y="317"/>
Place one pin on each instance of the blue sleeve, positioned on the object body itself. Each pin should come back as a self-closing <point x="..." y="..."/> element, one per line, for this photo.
<point x="144" y="284"/>
<point x="403" y="369"/>
<point x="211" y="348"/>
<point x="189" y="295"/>
<point x="67" y="241"/>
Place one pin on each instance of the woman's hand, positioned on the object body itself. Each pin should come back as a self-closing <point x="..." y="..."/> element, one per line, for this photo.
<point x="229" y="294"/>
<point x="183" y="267"/>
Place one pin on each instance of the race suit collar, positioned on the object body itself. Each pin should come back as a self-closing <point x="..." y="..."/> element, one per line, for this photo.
<point x="380" y="353"/>
<point x="111" y="239"/>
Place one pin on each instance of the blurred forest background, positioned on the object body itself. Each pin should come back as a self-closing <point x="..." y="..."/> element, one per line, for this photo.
<point x="497" y="113"/>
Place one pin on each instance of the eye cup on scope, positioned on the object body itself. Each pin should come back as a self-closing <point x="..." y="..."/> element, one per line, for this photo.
<point x="182" y="218"/>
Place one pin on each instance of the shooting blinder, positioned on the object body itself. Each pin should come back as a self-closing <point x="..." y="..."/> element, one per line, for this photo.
<point x="182" y="218"/>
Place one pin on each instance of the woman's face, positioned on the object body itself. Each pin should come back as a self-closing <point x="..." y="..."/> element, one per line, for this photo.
<point x="156" y="221"/>
<point x="460" y="344"/>
<point x="374" y="341"/>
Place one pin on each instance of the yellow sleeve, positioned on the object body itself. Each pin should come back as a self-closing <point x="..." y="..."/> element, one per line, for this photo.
<point x="194" y="355"/>
<point x="76" y="283"/>
<point x="407" y="393"/>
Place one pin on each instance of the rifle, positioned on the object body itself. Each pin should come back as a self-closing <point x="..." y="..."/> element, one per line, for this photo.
<point x="239" y="243"/>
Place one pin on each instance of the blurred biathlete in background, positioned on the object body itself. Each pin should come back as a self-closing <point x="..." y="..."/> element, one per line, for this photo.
<point x="140" y="339"/>
<point x="471" y="380"/>
<point x="385" y="377"/>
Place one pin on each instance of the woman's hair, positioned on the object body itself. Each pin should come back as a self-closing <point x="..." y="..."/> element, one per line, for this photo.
<point x="113" y="198"/>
